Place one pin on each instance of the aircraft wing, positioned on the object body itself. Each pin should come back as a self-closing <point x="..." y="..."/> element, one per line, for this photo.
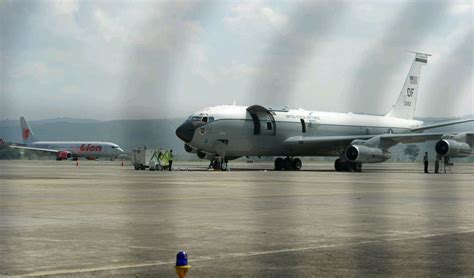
<point x="442" y="124"/>
<point x="34" y="149"/>
<point x="317" y="141"/>
<point x="386" y="140"/>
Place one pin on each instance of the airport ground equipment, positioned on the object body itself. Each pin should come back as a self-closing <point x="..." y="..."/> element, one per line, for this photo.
<point x="159" y="161"/>
<point x="182" y="265"/>
<point x="141" y="158"/>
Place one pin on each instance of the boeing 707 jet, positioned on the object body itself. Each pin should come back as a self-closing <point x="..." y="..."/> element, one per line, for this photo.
<point x="67" y="149"/>
<point x="231" y="131"/>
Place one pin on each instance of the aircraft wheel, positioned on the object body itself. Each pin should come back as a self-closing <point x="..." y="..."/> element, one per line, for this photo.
<point x="337" y="165"/>
<point x="357" y="167"/>
<point x="288" y="164"/>
<point x="216" y="165"/>
<point x="279" y="164"/>
<point x="136" y="167"/>
<point x="346" y="167"/>
<point x="297" y="164"/>
<point x="224" y="166"/>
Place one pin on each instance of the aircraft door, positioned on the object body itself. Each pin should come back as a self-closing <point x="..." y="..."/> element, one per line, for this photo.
<point x="263" y="120"/>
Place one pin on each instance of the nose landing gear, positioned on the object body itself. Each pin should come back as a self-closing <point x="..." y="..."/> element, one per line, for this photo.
<point x="288" y="164"/>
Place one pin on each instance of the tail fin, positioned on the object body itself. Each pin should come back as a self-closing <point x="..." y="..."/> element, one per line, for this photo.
<point x="26" y="132"/>
<point x="406" y="103"/>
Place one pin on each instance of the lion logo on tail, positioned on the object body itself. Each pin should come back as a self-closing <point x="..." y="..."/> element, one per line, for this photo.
<point x="26" y="133"/>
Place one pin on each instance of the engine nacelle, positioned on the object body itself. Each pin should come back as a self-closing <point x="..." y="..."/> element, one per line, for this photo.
<point x="364" y="154"/>
<point x="64" y="155"/>
<point x="201" y="154"/>
<point x="452" y="148"/>
<point x="189" y="149"/>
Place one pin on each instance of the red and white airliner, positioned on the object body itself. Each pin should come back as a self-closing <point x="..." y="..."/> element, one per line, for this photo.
<point x="67" y="149"/>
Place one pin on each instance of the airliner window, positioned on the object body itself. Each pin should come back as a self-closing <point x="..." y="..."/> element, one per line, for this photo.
<point x="269" y="126"/>
<point x="196" y="118"/>
<point x="211" y="119"/>
<point x="204" y="119"/>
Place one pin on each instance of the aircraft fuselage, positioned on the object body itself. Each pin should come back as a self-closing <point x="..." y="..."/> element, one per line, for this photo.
<point x="243" y="131"/>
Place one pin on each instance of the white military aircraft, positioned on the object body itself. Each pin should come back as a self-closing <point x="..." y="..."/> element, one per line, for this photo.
<point x="67" y="149"/>
<point x="231" y="131"/>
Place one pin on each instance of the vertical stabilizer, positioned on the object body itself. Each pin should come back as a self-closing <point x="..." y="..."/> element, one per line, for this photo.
<point x="26" y="132"/>
<point x="406" y="103"/>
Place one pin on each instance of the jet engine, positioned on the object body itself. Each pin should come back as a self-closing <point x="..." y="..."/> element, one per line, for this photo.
<point x="452" y="148"/>
<point x="201" y="154"/>
<point x="189" y="149"/>
<point x="364" y="154"/>
<point x="64" y="155"/>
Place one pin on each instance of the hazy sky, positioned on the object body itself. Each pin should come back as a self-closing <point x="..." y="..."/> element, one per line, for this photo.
<point x="144" y="59"/>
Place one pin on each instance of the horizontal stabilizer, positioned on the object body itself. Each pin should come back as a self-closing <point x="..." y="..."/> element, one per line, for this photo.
<point x="34" y="149"/>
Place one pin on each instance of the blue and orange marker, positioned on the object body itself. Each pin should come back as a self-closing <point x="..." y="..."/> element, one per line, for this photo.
<point x="182" y="266"/>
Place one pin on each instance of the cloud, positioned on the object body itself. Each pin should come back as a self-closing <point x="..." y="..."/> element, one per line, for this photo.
<point x="38" y="71"/>
<point x="460" y="7"/>
<point x="151" y="67"/>
<point x="66" y="7"/>
<point x="280" y="68"/>
<point x="150" y="59"/>
<point x="451" y="83"/>
<point x="255" y="13"/>
<point x="374" y="76"/>
<point x="108" y="27"/>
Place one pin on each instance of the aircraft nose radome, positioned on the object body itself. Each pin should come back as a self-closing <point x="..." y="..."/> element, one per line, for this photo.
<point x="185" y="132"/>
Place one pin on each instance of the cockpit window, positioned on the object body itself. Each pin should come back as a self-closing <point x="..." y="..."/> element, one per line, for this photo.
<point x="203" y="119"/>
<point x="195" y="118"/>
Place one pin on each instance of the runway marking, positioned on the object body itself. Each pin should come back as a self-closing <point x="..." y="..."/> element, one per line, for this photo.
<point x="234" y="255"/>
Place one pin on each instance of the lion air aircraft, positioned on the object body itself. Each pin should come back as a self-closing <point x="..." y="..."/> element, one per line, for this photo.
<point x="232" y="131"/>
<point x="67" y="149"/>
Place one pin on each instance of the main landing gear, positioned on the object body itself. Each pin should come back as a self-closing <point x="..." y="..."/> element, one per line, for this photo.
<point x="342" y="165"/>
<point x="219" y="164"/>
<point x="288" y="164"/>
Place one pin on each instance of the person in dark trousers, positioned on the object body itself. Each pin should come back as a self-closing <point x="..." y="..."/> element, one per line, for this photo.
<point x="170" y="159"/>
<point x="447" y="164"/>
<point x="438" y="158"/>
<point x="425" y="161"/>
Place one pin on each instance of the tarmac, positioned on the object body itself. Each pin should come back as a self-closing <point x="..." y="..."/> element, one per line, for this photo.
<point x="101" y="219"/>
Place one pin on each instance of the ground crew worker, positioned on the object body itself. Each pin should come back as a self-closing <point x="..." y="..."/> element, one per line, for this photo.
<point x="438" y="158"/>
<point x="160" y="157"/>
<point x="425" y="161"/>
<point x="170" y="159"/>
<point x="447" y="164"/>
